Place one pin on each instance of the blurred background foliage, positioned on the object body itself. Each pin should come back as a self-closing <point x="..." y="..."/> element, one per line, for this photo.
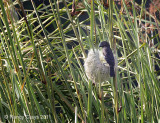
<point x="43" y="45"/>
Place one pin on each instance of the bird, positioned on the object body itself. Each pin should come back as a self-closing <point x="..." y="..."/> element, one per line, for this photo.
<point x="108" y="56"/>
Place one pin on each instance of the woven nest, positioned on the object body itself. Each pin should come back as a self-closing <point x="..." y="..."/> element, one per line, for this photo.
<point x="96" y="67"/>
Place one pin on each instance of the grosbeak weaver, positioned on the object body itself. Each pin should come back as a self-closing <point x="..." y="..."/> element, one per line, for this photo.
<point x="108" y="56"/>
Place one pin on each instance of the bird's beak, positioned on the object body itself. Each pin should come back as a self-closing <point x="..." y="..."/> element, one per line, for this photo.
<point x="100" y="45"/>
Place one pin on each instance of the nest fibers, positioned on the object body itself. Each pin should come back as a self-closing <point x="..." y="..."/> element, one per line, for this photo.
<point x="96" y="67"/>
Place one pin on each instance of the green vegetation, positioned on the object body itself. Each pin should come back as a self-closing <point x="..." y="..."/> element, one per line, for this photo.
<point x="42" y="50"/>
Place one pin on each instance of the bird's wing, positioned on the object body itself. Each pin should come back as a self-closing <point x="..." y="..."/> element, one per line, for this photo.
<point x="109" y="56"/>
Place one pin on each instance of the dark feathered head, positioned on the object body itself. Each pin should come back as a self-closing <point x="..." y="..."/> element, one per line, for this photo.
<point x="104" y="44"/>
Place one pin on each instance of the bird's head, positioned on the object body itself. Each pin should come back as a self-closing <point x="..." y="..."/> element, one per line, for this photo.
<point x="104" y="44"/>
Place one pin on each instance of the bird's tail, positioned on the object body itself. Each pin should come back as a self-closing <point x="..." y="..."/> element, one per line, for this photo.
<point x="112" y="74"/>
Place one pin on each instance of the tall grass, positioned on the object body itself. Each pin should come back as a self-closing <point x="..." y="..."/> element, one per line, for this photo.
<point x="42" y="78"/>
